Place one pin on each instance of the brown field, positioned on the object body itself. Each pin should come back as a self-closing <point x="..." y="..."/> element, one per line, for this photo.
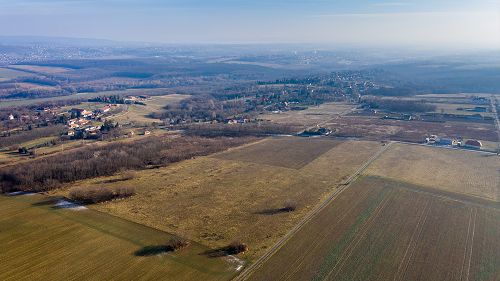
<point x="456" y="171"/>
<point x="8" y="74"/>
<point x="414" y="131"/>
<point x="379" y="229"/>
<point x="215" y="200"/>
<point x="41" y="69"/>
<point x="287" y="152"/>
<point x="312" y="116"/>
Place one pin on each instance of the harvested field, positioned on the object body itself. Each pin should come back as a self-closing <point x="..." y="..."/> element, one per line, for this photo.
<point x="413" y="131"/>
<point x="214" y="201"/>
<point x="456" y="171"/>
<point x="40" y="242"/>
<point x="311" y="116"/>
<point x="385" y="230"/>
<point x="287" y="152"/>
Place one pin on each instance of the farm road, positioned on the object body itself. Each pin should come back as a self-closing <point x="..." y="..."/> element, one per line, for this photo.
<point x="245" y="274"/>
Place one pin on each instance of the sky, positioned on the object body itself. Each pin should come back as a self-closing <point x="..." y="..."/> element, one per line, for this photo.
<point x="417" y="23"/>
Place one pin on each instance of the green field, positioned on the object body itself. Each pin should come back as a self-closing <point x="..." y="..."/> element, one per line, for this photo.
<point x="40" y="242"/>
<point x="380" y="229"/>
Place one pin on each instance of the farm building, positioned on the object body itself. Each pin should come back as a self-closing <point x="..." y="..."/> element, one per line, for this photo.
<point x="473" y="144"/>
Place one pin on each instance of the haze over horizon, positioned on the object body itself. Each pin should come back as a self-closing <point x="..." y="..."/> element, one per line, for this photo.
<point x="444" y="23"/>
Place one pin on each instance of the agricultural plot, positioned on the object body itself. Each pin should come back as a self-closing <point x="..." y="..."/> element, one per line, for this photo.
<point x="455" y="171"/>
<point x="84" y="96"/>
<point x="287" y="152"/>
<point x="41" y="69"/>
<point x="40" y="242"/>
<point x="8" y="74"/>
<point x="311" y="116"/>
<point x="413" y="131"/>
<point x="221" y="198"/>
<point x="379" y="229"/>
<point x="459" y="109"/>
<point x="141" y="113"/>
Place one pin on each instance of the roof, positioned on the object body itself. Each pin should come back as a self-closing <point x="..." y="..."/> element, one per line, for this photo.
<point x="473" y="143"/>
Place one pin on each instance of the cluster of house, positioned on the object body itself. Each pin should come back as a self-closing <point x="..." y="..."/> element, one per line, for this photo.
<point x="81" y="121"/>
<point x="237" y="121"/>
<point x="135" y="99"/>
<point x="471" y="144"/>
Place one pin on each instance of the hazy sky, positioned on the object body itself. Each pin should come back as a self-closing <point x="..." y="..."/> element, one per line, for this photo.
<point x="458" y="23"/>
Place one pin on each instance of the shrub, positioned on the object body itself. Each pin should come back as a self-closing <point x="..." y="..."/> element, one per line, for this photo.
<point x="128" y="175"/>
<point x="236" y="247"/>
<point x="124" y="191"/>
<point x="175" y="244"/>
<point x="94" y="194"/>
<point x="290" y="206"/>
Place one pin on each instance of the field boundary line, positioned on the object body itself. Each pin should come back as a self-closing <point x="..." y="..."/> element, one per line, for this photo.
<point x="247" y="272"/>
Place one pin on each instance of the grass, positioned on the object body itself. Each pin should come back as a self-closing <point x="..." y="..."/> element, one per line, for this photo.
<point x="379" y="229"/>
<point x="39" y="141"/>
<point x="43" y="243"/>
<point x="456" y="171"/>
<point x="214" y="200"/>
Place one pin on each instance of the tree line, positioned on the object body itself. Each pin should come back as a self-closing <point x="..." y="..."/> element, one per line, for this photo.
<point x="94" y="161"/>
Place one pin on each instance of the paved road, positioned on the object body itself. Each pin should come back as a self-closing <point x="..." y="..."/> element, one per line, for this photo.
<point x="245" y="274"/>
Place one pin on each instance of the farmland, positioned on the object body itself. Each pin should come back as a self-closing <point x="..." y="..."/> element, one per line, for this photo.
<point x="141" y="113"/>
<point x="380" y="229"/>
<point x="311" y="116"/>
<point x="8" y="74"/>
<point x="82" y="96"/>
<point x="40" y="242"/>
<point x="448" y="170"/>
<point x="232" y="196"/>
<point x="413" y="131"/>
<point x="40" y="69"/>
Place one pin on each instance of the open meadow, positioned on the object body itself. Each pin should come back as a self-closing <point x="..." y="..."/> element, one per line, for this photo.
<point x="379" y="229"/>
<point x="41" y="242"/>
<point x="234" y="195"/>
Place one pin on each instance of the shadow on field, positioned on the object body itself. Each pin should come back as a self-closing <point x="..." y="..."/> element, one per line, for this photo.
<point x="217" y="253"/>
<point x="275" y="211"/>
<point x="152" y="251"/>
<point x="112" y="180"/>
<point x="48" y="202"/>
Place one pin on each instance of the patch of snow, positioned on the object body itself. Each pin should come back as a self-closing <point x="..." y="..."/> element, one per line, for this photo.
<point x="17" y="193"/>
<point x="63" y="204"/>
<point x="238" y="263"/>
